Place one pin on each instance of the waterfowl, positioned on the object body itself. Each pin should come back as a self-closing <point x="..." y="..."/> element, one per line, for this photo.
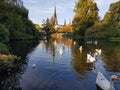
<point x="89" y="42"/>
<point x="80" y="48"/>
<point x="60" y="51"/>
<point x="95" y="42"/>
<point x="98" y="51"/>
<point x="103" y="83"/>
<point x="33" y="66"/>
<point x="74" y="43"/>
<point x="90" y="58"/>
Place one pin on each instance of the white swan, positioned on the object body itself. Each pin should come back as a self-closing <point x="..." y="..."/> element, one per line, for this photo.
<point x="95" y="42"/>
<point x="98" y="51"/>
<point x="60" y="51"/>
<point x="74" y="43"/>
<point x="80" y="48"/>
<point x="89" y="42"/>
<point x="104" y="84"/>
<point x="90" y="58"/>
<point x="33" y="65"/>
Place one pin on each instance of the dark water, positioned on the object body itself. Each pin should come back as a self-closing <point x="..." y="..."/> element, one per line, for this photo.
<point x="69" y="71"/>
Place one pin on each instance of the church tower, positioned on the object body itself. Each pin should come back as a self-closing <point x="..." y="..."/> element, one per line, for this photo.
<point x="55" y="16"/>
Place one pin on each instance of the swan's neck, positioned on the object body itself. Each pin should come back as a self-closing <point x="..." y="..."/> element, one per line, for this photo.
<point x="111" y="85"/>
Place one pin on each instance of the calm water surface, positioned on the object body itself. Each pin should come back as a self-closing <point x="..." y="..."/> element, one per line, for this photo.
<point x="69" y="71"/>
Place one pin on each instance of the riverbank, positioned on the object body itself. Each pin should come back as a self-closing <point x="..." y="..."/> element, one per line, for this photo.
<point x="114" y="39"/>
<point x="8" y="62"/>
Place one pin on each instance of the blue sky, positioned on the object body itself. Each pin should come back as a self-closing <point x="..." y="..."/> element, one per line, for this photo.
<point x="42" y="9"/>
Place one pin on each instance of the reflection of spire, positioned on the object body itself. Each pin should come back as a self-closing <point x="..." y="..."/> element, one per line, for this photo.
<point x="55" y="15"/>
<point x="53" y="52"/>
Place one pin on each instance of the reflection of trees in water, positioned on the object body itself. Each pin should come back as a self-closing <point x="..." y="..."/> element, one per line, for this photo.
<point x="67" y="42"/>
<point x="19" y="48"/>
<point x="50" y="45"/>
<point x="111" y="56"/>
<point x="79" y="61"/>
<point x="22" y="48"/>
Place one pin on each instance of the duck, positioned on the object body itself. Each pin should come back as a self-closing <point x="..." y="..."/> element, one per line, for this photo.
<point x="104" y="84"/>
<point x="91" y="58"/>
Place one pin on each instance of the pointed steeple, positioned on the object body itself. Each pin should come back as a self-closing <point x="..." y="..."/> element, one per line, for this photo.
<point x="55" y="15"/>
<point x="65" y="22"/>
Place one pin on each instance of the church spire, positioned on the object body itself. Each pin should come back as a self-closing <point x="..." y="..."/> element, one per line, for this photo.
<point x="55" y="15"/>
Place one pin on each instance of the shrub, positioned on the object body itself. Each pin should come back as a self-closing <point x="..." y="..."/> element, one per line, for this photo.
<point x="4" y="34"/>
<point x="3" y="48"/>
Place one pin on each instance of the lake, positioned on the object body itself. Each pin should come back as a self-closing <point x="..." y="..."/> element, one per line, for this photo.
<point x="68" y="71"/>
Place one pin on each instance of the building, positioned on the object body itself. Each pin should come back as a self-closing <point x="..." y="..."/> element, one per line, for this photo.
<point x="55" y="20"/>
<point x="55" y="16"/>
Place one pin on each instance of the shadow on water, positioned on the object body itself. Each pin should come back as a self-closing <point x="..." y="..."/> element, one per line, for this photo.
<point x="69" y="71"/>
<point x="20" y="48"/>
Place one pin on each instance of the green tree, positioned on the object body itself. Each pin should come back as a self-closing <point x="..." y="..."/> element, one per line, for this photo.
<point x="112" y="19"/>
<point x="48" y="26"/>
<point x="3" y="48"/>
<point x="86" y="14"/>
<point x="15" y="18"/>
<point x="4" y="34"/>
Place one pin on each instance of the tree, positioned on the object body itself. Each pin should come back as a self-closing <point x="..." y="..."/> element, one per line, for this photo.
<point x="48" y="26"/>
<point x="86" y="14"/>
<point x="68" y="28"/>
<point x="4" y="34"/>
<point x="15" y="17"/>
<point x="112" y="19"/>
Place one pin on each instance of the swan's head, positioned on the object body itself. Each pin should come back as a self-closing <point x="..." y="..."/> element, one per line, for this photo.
<point x="115" y="77"/>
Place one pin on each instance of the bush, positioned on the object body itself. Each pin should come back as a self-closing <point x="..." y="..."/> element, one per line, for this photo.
<point x="22" y="36"/>
<point x="3" y="48"/>
<point x="4" y="34"/>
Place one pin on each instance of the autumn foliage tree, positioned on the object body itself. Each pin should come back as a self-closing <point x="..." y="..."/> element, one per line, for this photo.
<point x="109" y="26"/>
<point x="65" y="29"/>
<point x="86" y="14"/>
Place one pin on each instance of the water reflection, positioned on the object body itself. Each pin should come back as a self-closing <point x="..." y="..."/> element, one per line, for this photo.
<point x="22" y="48"/>
<point x="111" y="56"/>
<point x="69" y="71"/>
<point x="79" y="60"/>
<point x="19" y="48"/>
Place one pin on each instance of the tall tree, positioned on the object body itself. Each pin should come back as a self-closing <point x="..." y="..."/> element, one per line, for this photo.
<point x="86" y="14"/>
<point x="49" y="26"/>
<point x="112" y="19"/>
<point x="113" y="15"/>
